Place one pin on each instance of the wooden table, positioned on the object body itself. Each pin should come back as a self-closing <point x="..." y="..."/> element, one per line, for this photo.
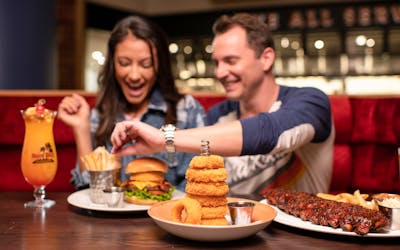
<point x="67" y="227"/>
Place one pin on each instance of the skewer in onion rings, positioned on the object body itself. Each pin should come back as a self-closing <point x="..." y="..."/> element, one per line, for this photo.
<point x="186" y="210"/>
<point x="212" y="189"/>
<point x="206" y="175"/>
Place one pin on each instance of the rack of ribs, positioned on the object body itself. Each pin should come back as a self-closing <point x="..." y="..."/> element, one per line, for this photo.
<point x="309" y="207"/>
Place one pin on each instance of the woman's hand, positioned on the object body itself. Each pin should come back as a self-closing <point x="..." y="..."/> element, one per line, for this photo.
<point x="74" y="111"/>
<point x="134" y="137"/>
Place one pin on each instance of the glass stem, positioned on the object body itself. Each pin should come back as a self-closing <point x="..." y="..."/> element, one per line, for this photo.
<point x="39" y="193"/>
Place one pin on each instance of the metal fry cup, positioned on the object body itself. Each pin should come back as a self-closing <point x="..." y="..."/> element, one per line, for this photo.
<point x="100" y="180"/>
<point x="241" y="212"/>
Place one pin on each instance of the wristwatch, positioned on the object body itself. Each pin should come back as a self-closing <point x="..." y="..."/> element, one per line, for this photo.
<point x="169" y="132"/>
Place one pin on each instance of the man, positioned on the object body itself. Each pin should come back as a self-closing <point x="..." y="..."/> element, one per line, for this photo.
<point x="284" y="135"/>
<point x="299" y="118"/>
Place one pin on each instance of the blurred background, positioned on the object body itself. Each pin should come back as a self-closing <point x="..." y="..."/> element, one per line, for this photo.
<point x="341" y="47"/>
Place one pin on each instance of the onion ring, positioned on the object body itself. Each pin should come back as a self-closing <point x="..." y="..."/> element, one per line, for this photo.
<point x="206" y="175"/>
<point x="215" y="222"/>
<point x="202" y="188"/>
<point x="209" y="201"/>
<point x="210" y="161"/>
<point x="187" y="211"/>
<point x="213" y="212"/>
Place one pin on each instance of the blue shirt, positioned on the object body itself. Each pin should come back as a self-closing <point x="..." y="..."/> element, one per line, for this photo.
<point x="290" y="145"/>
<point x="190" y="114"/>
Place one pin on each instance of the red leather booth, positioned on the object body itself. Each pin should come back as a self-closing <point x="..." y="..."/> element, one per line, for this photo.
<point x="366" y="146"/>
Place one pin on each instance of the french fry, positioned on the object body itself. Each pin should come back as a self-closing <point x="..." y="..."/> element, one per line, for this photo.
<point x="100" y="159"/>
<point x="91" y="162"/>
<point x="356" y="199"/>
<point x="328" y="196"/>
<point x="344" y="200"/>
<point x="373" y="205"/>
<point x="348" y="197"/>
<point x="359" y="198"/>
<point x="83" y="160"/>
<point x="104" y="156"/>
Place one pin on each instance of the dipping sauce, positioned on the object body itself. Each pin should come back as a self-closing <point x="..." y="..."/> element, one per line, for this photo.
<point x="390" y="202"/>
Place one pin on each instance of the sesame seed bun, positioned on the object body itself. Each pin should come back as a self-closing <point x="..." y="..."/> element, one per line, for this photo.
<point x="146" y="164"/>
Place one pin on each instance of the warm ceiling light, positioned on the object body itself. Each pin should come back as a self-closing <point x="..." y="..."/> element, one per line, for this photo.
<point x="187" y="49"/>
<point x="361" y="40"/>
<point x="319" y="44"/>
<point x="173" y="48"/>
<point x="284" y="42"/>
<point x="295" y="45"/>
<point x="370" y="42"/>
<point x="208" y="49"/>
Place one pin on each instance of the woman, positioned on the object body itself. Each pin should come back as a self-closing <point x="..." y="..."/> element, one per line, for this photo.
<point x="135" y="84"/>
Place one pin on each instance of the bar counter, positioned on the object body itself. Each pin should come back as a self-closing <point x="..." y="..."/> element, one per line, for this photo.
<point x="64" y="226"/>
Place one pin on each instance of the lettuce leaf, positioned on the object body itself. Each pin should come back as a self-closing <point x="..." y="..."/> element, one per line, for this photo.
<point x="143" y="194"/>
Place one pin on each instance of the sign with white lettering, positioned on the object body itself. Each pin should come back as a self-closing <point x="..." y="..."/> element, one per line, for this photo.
<point x="335" y="17"/>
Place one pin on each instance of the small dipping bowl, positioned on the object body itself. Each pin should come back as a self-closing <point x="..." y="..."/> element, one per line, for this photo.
<point x="241" y="212"/>
<point x="390" y="207"/>
<point x="113" y="196"/>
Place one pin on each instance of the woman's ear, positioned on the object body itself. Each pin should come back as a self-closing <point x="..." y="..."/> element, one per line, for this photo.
<point x="267" y="57"/>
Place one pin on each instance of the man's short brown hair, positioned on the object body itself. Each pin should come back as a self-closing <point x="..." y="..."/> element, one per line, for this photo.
<point x="258" y="34"/>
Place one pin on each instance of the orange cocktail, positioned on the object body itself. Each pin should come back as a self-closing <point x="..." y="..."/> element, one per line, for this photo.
<point x="39" y="156"/>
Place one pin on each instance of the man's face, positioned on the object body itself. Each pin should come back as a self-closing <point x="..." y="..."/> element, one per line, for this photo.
<point x="236" y="65"/>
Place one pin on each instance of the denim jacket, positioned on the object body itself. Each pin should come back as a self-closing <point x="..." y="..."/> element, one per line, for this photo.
<point x="190" y="114"/>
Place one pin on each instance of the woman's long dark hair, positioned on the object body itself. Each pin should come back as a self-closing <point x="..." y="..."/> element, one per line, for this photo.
<point x="111" y="101"/>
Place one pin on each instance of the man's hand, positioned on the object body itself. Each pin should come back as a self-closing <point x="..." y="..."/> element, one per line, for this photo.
<point x="134" y="137"/>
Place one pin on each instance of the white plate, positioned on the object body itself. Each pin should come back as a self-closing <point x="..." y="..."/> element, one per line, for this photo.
<point x="293" y="221"/>
<point x="262" y="216"/>
<point x="81" y="199"/>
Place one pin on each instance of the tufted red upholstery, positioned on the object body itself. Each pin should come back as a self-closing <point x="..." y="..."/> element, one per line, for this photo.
<point x="366" y="144"/>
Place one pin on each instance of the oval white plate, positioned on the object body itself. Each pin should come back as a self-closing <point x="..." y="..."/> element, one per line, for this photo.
<point x="81" y="199"/>
<point x="290" y="220"/>
<point x="262" y="216"/>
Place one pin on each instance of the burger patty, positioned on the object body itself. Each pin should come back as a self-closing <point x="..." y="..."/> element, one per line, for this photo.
<point x="163" y="186"/>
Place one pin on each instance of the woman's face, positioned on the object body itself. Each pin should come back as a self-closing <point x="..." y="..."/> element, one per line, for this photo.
<point x="135" y="70"/>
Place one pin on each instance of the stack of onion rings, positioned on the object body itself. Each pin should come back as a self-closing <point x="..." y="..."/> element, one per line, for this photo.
<point x="205" y="202"/>
<point x="206" y="178"/>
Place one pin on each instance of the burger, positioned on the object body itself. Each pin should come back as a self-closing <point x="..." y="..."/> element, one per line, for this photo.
<point x="147" y="184"/>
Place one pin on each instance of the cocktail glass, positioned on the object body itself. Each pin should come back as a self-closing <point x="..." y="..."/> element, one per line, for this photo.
<point x="39" y="156"/>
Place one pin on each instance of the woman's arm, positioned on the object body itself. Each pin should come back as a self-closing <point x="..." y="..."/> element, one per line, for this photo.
<point x="74" y="111"/>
